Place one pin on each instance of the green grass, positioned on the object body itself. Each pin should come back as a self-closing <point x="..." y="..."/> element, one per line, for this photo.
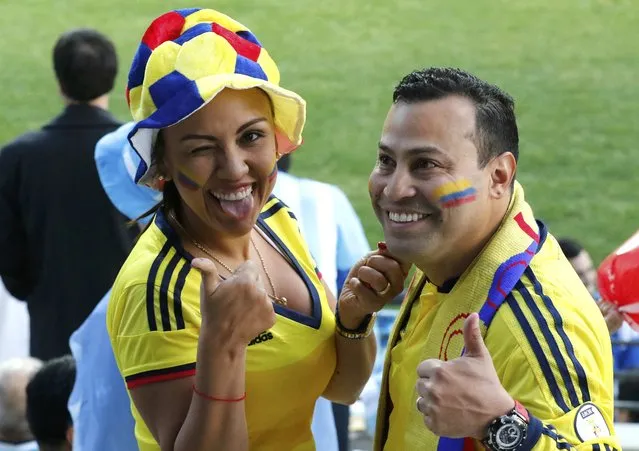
<point x="571" y="65"/>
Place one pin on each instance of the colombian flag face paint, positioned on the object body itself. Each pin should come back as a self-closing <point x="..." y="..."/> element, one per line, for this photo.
<point x="187" y="181"/>
<point x="455" y="193"/>
<point x="273" y="175"/>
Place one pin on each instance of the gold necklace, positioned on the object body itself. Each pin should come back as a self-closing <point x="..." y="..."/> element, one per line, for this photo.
<point x="279" y="300"/>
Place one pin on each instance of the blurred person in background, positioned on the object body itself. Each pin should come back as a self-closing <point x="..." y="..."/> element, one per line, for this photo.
<point x="15" y="434"/>
<point x="583" y="265"/>
<point x="99" y="403"/>
<point x="47" y="397"/>
<point x="625" y="353"/>
<point x="14" y="326"/>
<point x="336" y="239"/>
<point x="628" y="392"/>
<point x="61" y="240"/>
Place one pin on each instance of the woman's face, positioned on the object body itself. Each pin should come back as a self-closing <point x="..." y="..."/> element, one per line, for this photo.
<point x="223" y="162"/>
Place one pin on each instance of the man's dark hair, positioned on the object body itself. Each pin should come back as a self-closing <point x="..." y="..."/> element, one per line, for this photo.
<point x="570" y="247"/>
<point x="47" y="397"/>
<point x="496" y="126"/>
<point x="85" y="64"/>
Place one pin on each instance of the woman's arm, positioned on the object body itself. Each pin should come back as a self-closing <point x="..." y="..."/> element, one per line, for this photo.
<point x="180" y="419"/>
<point x="355" y="360"/>
<point x="206" y="411"/>
<point x="373" y="282"/>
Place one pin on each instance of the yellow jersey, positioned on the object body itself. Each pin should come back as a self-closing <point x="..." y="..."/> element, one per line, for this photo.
<point x="154" y="321"/>
<point x="549" y="344"/>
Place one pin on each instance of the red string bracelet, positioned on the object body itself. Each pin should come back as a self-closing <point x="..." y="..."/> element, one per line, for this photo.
<point x="213" y="398"/>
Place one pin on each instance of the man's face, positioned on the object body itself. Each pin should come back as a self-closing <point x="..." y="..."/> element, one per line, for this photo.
<point x="427" y="157"/>
<point x="586" y="271"/>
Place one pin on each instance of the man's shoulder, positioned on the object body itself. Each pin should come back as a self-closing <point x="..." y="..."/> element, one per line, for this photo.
<point x="550" y="302"/>
<point x="29" y="140"/>
<point x="550" y="275"/>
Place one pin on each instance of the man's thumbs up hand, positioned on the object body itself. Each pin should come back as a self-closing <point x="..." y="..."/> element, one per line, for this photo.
<point x="461" y="397"/>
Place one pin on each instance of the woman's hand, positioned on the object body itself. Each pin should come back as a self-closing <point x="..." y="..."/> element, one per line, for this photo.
<point x="235" y="310"/>
<point x="371" y="284"/>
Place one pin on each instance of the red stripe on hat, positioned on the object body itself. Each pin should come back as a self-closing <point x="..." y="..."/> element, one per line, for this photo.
<point x="243" y="47"/>
<point x="128" y="97"/>
<point x="167" y="27"/>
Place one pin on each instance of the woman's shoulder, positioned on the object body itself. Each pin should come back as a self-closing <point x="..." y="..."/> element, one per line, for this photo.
<point x="150" y="247"/>
<point x="134" y="276"/>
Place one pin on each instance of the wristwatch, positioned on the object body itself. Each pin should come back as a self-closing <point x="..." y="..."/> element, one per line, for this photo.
<point x="509" y="431"/>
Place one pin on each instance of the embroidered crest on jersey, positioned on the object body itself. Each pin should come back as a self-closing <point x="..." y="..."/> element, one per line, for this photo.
<point x="455" y="329"/>
<point x="590" y="423"/>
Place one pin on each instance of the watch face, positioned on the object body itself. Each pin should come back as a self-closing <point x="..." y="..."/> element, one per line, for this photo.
<point x="508" y="436"/>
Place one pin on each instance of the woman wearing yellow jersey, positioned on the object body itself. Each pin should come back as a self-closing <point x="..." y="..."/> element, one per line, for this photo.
<point x="220" y="323"/>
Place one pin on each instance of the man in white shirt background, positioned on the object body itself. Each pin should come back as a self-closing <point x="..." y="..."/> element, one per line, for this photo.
<point x="14" y="326"/>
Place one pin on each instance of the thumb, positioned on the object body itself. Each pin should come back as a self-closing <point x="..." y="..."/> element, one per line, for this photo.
<point x="210" y="277"/>
<point x="473" y="341"/>
<point x="250" y="272"/>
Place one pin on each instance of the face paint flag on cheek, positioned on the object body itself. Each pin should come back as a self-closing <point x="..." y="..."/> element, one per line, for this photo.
<point x="187" y="181"/>
<point x="273" y="175"/>
<point x="453" y="194"/>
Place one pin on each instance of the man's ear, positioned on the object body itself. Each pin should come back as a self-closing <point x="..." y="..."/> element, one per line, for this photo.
<point x="502" y="173"/>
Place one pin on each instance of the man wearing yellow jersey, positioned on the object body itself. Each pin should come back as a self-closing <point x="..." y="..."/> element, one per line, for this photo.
<point x="497" y="343"/>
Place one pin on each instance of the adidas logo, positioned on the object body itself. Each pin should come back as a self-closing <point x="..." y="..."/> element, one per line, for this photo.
<point x="261" y="338"/>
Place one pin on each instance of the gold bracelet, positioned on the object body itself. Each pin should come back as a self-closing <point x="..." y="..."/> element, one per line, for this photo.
<point x="363" y="331"/>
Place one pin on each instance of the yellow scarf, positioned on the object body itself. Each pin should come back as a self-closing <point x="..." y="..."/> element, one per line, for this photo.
<point x="482" y="288"/>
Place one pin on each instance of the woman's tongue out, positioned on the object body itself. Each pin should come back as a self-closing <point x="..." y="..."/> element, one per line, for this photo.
<point x="238" y="204"/>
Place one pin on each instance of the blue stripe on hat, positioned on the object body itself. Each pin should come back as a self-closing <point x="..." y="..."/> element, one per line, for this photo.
<point x="142" y="167"/>
<point x="245" y="66"/>
<point x="185" y="12"/>
<point x="136" y="74"/>
<point x="249" y="37"/>
<point x="167" y="87"/>
<point x="192" y="32"/>
<point x="177" y="106"/>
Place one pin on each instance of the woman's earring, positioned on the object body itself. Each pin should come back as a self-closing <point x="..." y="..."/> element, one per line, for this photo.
<point x="160" y="183"/>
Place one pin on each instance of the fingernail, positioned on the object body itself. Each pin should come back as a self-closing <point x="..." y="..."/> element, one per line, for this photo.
<point x="381" y="246"/>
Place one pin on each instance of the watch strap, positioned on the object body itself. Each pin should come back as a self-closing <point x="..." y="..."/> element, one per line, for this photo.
<point x="522" y="411"/>
<point x="364" y="330"/>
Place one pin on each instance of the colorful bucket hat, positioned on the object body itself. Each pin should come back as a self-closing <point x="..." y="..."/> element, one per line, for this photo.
<point x="185" y="59"/>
